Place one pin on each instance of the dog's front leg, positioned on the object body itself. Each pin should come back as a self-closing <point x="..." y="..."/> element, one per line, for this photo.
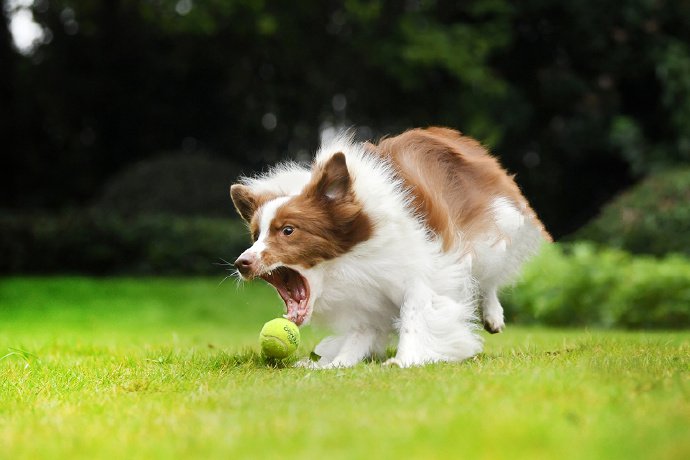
<point x="434" y="328"/>
<point x="348" y="349"/>
<point x="411" y="348"/>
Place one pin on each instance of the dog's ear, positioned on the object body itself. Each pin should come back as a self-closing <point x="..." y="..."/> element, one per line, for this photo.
<point x="334" y="180"/>
<point x="244" y="200"/>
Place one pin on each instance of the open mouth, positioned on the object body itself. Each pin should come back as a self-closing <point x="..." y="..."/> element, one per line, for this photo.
<point x="293" y="289"/>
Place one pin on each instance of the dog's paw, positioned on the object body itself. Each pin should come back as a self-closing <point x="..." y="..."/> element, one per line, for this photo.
<point x="403" y="363"/>
<point x="323" y="364"/>
<point x="494" y="323"/>
<point x="339" y="364"/>
<point x="307" y="363"/>
<point x="393" y="362"/>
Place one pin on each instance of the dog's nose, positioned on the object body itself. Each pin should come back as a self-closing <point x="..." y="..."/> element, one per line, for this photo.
<point x="245" y="263"/>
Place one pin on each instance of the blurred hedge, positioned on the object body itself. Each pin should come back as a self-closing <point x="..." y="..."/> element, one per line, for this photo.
<point x="652" y="217"/>
<point x="566" y="285"/>
<point x="99" y="243"/>
<point x="579" y="284"/>
<point x="177" y="183"/>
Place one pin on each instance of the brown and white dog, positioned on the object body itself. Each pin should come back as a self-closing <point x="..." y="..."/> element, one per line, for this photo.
<point x="409" y="236"/>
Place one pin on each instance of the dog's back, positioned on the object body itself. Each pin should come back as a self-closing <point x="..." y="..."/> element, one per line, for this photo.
<point x="453" y="182"/>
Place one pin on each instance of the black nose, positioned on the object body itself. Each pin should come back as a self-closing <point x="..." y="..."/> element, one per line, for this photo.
<point x="244" y="264"/>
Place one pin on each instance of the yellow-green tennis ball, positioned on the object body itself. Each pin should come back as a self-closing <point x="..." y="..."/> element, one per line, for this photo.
<point x="279" y="338"/>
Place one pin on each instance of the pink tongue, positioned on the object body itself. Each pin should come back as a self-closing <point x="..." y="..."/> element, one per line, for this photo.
<point x="297" y="311"/>
<point x="294" y="293"/>
<point x="292" y="308"/>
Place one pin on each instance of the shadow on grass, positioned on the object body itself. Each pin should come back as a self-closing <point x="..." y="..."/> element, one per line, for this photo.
<point x="248" y="359"/>
<point x="251" y="359"/>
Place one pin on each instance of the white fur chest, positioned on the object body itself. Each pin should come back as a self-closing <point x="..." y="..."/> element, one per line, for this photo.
<point x="353" y="297"/>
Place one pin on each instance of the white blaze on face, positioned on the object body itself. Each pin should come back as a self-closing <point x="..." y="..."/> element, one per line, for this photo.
<point x="268" y="212"/>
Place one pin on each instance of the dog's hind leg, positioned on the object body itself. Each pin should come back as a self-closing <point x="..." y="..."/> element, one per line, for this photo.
<point x="500" y="257"/>
<point x="492" y="311"/>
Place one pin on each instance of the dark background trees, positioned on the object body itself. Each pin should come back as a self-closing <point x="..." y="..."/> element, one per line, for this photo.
<point x="579" y="98"/>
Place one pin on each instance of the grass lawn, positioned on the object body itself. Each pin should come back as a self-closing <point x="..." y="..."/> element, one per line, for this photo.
<point x="166" y="368"/>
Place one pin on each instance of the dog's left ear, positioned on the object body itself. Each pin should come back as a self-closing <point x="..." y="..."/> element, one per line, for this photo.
<point x="244" y="200"/>
<point x="334" y="182"/>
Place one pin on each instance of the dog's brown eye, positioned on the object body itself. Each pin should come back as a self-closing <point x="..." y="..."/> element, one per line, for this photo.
<point x="287" y="230"/>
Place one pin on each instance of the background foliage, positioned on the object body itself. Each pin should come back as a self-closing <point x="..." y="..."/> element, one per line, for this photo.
<point x="95" y="242"/>
<point x="125" y="123"/>
<point x="581" y="284"/>
<point x="579" y="98"/>
<point x="653" y="217"/>
<point x="175" y="183"/>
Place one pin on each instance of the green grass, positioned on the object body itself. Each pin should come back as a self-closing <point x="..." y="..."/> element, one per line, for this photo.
<point x="167" y="368"/>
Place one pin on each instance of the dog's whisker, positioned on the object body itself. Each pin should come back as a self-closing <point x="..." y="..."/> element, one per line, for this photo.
<point x="223" y="263"/>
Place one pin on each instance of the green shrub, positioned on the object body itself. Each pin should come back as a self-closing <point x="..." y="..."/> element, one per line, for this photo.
<point x="580" y="284"/>
<point x="652" y="217"/>
<point x="99" y="243"/>
<point x="565" y="285"/>
<point x="180" y="184"/>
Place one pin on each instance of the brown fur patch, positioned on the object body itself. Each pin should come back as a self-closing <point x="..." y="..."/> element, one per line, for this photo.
<point x="327" y="218"/>
<point x="453" y="180"/>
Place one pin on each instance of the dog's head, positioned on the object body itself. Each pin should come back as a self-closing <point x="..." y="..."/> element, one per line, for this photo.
<point x="294" y="234"/>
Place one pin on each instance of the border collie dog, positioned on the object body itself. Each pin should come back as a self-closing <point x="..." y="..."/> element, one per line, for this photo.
<point x="411" y="236"/>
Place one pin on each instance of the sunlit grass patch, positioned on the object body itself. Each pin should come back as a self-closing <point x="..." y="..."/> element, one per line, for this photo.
<point x="156" y="368"/>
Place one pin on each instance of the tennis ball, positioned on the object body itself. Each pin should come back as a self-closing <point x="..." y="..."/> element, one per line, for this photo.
<point x="279" y="338"/>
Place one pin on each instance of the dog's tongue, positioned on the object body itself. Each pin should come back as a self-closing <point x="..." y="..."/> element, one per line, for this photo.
<point x="293" y="290"/>
<point x="296" y="303"/>
<point x="295" y="311"/>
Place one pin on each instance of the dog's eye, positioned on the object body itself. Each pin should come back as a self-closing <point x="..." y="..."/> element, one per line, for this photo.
<point x="287" y="230"/>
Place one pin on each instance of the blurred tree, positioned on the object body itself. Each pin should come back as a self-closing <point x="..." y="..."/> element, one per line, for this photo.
<point x="578" y="98"/>
<point x="590" y="109"/>
<point x="8" y="61"/>
<point x="175" y="183"/>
